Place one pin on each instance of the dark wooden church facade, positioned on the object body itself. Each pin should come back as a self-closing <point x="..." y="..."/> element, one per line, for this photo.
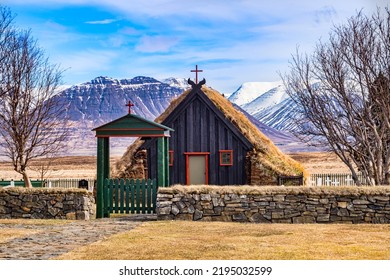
<point x="205" y="147"/>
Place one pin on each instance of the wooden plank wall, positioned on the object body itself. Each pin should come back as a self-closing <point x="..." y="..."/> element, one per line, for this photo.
<point x="199" y="129"/>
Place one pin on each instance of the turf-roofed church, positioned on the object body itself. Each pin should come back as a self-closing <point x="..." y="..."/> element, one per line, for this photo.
<point x="212" y="143"/>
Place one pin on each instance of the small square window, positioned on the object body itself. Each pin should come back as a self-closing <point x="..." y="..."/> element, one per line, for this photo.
<point x="225" y="157"/>
<point x="170" y="158"/>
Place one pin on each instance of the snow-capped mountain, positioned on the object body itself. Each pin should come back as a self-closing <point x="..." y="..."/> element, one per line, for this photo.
<point x="279" y="116"/>
<point x="103" y="99"/>
<point x="176" y="82"/>
<point x="285" y="141"/>
<point x="249" y="91"/>
<point x="269" y="103"/>
<point x="266" y="100"/>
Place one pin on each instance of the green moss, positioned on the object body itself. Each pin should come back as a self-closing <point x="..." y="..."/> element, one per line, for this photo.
<point x="274" y="190"/>
<point x="19" y="190"/>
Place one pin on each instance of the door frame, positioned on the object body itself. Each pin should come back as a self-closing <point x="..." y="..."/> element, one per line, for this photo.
<point x="206" y="158"/>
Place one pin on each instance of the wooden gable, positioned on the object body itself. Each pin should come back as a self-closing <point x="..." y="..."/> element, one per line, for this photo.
<point x="202" y="129"/>
<point x="198" y="94"/>
<point x="132" y="126"/>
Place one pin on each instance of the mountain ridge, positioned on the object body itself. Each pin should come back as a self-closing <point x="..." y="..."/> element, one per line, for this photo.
<point x="270" y="105"/>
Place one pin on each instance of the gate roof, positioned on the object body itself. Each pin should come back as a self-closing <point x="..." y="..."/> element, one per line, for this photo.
<point x="132" y="126"/>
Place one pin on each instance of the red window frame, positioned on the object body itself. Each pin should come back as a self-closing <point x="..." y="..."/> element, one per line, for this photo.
<point x="171" y="158"/>
<point x="221" y="152"/>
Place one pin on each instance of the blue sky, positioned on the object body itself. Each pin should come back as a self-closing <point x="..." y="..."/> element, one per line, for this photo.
<point x="233" y="41"/>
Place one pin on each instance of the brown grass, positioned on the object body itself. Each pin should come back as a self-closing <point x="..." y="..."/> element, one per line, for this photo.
<point x="9" y="234"/>
<point x="61" y="167"/>
<point x="320" y="162"/>
<point x="276" y="190"/>
<point x="182" y="240"/>
<point x="22" y="190"/>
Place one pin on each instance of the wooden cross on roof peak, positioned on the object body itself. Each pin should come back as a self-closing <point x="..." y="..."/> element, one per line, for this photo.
<point x="196" y="73"/>
<point x="129" y="104"/>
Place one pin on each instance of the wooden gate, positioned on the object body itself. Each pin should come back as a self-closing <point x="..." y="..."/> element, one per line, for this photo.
<point x="129" y="196"/>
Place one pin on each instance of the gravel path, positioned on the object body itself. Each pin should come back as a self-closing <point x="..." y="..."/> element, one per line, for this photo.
<point x="55" y="240"/>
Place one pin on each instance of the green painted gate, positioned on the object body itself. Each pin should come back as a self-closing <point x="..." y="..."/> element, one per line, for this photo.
<point x="128" y="126"/>
<point x="129" y="196"/>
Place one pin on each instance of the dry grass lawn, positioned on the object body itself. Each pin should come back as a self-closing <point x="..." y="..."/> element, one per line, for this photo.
<point x="8" y="234"/>
<point x="183" y="240"/>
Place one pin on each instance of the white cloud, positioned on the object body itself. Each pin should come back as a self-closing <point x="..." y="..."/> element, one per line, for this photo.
<point x="87" y="61"/>
<point x="236" y="41"/>
<point x="104" y="21"/>
<point x="151" y="44"/>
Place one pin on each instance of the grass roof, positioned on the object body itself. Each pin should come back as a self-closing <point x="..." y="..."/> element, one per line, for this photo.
<point x="278" y="190"/>
<point x="264" y="152"/>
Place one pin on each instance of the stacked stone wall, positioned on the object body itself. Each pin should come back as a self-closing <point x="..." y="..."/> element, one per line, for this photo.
<point x="73" y="204"/>
<point x="275" y="204"/>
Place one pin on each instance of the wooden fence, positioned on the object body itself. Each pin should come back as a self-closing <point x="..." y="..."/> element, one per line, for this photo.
<point x="51" y="183"/>
<point x="290" y="180"/>
<point x="68" y="183"/>
<point x="129" y="196"/>
<point x="335" y="180"/>
<point x="20" y="183"/>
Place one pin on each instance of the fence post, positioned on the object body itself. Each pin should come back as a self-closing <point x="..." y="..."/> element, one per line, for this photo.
<point x="127" y="197"/>
<point x="154" y="196"/>
<point x="106" y="198"/>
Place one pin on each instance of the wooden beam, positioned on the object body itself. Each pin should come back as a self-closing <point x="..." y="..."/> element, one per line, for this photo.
<point x="100" y="178"/>
<point x="160" y="162"/>
<point x="166" y="160"/>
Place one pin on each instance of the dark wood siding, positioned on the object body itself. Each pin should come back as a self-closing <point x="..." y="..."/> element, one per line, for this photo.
<point x="200" y="127"/>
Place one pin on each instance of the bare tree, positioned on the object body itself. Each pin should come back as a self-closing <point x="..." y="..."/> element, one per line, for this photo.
<point x="32" y="122"/>
<point x="43" y="168"/>
<point x="342" y="92"/>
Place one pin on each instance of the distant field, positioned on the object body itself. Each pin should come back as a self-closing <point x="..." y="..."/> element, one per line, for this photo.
<point x="85" y="166"/>
<point x="320" y="162"/>
<point x="62" y="167"/>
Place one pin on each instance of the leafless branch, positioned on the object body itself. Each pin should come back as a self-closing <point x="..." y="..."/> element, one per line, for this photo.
<point x="32" y="120"/>
<point x="343" y="92"/>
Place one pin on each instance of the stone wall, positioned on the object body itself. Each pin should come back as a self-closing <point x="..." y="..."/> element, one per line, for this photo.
<point x="275" y="204"/>
<point x="73" y="204"/>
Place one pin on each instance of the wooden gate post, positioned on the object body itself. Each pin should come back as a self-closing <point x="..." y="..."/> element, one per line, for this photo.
<point x="103" y="172"/>
<point x="162" y="162"/>
<point x="166" y="161"/>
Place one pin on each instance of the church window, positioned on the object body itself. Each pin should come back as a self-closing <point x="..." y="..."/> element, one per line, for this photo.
<point x="225" y="157"/>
